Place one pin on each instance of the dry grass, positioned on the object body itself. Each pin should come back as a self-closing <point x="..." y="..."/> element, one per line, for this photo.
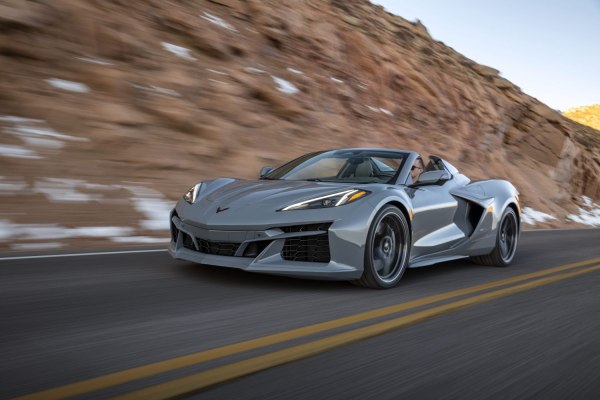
<point x="586" y="115"/>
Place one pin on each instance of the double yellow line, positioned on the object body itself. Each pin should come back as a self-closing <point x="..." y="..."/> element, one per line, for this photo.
<point x="202" y="380"/>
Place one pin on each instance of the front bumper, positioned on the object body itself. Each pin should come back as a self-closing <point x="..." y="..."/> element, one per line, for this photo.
<point x="270" y="248"/>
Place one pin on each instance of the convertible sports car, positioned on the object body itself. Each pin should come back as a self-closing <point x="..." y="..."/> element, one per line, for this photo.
<point x="362" y="215"/>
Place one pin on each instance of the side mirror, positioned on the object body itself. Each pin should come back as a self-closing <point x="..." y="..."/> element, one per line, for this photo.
<point x="265" y="171"/>
<point x="433" y="177"/>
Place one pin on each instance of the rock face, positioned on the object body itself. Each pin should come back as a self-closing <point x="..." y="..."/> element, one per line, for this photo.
<point x="106" y="97"/>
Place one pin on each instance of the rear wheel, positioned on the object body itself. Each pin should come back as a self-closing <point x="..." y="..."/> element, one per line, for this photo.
<point x="387" y="249"/>
<point x="506" y="242"/>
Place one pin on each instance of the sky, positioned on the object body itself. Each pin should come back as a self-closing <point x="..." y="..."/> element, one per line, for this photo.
<point x="549" y="48"/>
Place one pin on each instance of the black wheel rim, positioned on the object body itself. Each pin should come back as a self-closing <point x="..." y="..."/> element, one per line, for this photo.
<point x="389" y="247"/>
<point x="508" y="238"/>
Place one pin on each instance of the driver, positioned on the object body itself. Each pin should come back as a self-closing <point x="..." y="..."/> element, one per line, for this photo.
<point x="417" y="169"/>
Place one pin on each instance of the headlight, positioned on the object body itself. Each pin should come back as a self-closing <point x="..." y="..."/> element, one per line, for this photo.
<point x="331" y="200"/>
<point x="192" y="194"/>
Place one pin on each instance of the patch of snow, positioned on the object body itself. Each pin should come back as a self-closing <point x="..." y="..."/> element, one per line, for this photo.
<point x="295" y="71"/>
<point x="380" y="109"/>
<point x="101" y="231"/>
<point x="19" y="120"/>
<point x="217" y="21"/>
<point x="9" y="150"/>
<point x="589" y="214"/>
<point x="97" y="186"/>
<point x="12" y="231"/>
<point x="152" y="204"/>
<point x="336" y="80"/>
<point x="11" y="187"/>
<point x="63" y="190"/>
<point x="66" y="181"/>
<point x="531" y="216"/>
<point x="178" y="50"/>
<point x="68" y="85"/>
<point x="587" y="201"/>
<point x="158" y="89"/>
<point x="156" y="211"/>
<point x="139" y="191"/>
<point x="36" y="246"/>
<point x="253" y="70"/>
<point x="214" y="71"/>
<point x="139" y="239"/>
<point x="363" y="87"/>
<point x="94" y="60"/>
<point x="43" y="142"/>
<point x="284" y="86"/>
<point x="33" y="132"/>
<point x="217" y="81"/>
<point x="166" y="91"/>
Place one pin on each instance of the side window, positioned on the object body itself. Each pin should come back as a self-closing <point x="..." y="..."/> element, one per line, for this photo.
<point x="437" y="164"/>
<point x="433" y="166"/>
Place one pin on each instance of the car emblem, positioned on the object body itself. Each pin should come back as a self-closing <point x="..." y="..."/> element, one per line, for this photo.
<point x="220" y="209"/>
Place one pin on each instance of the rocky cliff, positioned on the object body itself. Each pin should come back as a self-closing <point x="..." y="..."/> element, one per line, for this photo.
<point x="111" y="109"/>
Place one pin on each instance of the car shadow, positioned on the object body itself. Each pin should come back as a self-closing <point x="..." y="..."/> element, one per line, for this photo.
<point x="233" y="277"/>
<point x="236" y="278"/>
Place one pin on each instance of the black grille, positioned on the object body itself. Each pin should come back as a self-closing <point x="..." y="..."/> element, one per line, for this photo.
<point x="218" y="248"/>
<point x="255" y="248"/>
<point x="307" y="248"/>
<point x="205" y="246"/>
<point x="208" y="247"/>
<point x="188" y="243"/>
<point x="324" y="226"/>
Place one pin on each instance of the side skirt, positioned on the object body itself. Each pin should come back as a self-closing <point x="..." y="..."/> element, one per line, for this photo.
<point x="423" y="262"/>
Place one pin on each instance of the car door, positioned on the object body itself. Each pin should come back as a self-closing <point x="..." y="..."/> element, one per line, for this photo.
<point x="433" y="219"/>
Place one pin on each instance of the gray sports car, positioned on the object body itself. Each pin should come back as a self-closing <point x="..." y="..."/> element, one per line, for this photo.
<point x="362" y="215"/>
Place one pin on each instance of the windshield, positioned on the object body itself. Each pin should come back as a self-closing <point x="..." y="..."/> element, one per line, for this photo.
<point x="347" y="166"/>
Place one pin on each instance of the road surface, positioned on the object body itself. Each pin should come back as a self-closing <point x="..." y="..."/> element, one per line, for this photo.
<point x="141" y="325"/>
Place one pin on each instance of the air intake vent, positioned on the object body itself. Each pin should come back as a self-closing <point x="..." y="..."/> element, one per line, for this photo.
<point x="188" y="243"/>
<point x="307" y="248"/>
<point x="218" y="248"/>
<point x="174" y="230"/>
<point x="324" y="226"/>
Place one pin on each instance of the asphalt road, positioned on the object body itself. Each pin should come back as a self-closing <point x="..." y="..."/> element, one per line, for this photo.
<point x="68" y="319"/>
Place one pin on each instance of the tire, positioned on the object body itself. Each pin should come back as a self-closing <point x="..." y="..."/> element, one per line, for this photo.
<point x="387" y="250"/>
<point x="506" y="242"/>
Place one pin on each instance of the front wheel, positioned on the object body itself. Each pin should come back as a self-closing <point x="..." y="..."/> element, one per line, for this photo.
<point x="387" y="249"/>
<point x="506" y="242"/>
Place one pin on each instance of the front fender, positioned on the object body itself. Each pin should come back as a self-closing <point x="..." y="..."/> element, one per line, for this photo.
<point x="392" y="195"/>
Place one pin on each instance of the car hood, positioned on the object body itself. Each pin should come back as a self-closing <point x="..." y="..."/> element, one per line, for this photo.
<point x="267" y="193"/>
